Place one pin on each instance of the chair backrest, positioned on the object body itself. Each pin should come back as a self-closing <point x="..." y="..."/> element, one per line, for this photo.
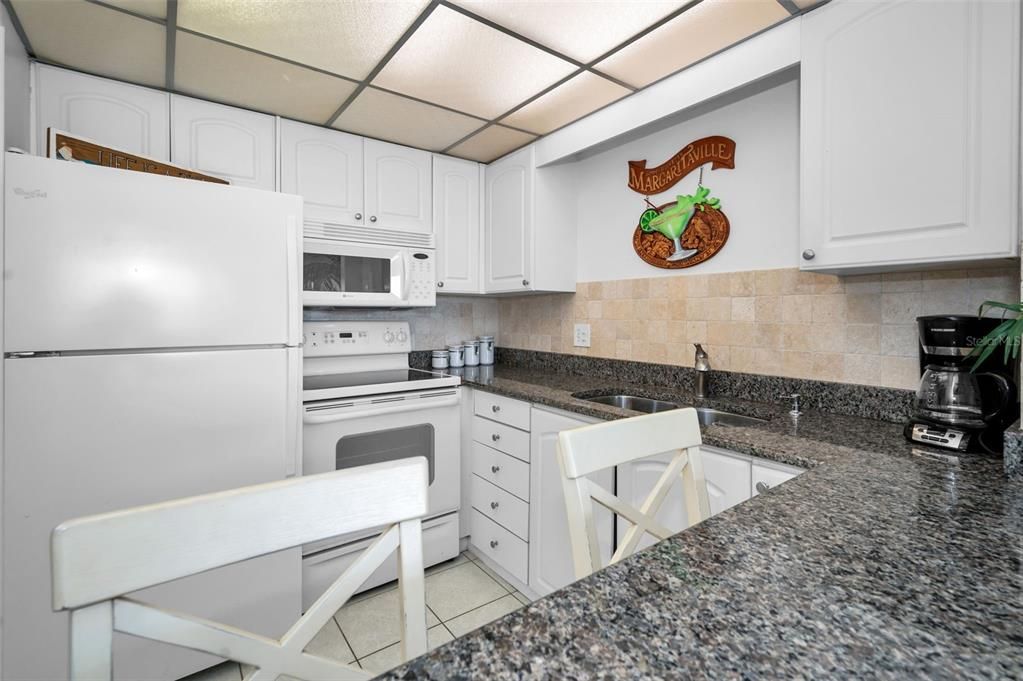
<point x="97" y="559"/>
<point x="586" y="450"/>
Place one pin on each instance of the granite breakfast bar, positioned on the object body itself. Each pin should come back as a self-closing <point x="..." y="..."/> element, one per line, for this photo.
<point x="877" y="561"/>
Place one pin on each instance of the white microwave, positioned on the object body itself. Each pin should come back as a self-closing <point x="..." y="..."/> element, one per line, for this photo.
<point x="345" y="274"/>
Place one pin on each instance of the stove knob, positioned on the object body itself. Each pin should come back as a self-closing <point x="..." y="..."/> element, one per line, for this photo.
<point x="402" y="336"/>
<point x="388" y="337"/>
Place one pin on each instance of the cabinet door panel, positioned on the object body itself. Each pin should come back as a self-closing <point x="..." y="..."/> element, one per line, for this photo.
<point x="728" y="478"/>
<point x="398" y="193"/>
<point x="125" y="117"/>
<point x="908" y="148"/>
<point x="456" y="221"/>
<point x="509" y="223"/>
<point x="325" y="167"/>
<point x="223" y="141"/>
<point x="551" y="565"/>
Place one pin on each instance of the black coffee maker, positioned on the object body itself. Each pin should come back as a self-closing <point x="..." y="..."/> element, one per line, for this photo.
<point x="959" y="407"/>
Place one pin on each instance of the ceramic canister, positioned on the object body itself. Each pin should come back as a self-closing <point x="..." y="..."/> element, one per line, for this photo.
<point x="456" y="355"/>
<point x="486" y="349"/>
<point x="439" y="359"/>
<point x="472" y="352"/>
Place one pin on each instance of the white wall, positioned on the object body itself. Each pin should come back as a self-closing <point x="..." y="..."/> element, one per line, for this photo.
<point x="16" y="87"/>
<point x="760" y="195"/>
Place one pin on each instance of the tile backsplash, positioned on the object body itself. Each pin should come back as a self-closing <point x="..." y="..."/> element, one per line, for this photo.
<point x="854" y="329"/>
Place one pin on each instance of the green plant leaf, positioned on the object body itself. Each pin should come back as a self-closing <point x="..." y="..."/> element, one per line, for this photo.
<point x="1012" y="307"/>
<point x="990" y="342"/>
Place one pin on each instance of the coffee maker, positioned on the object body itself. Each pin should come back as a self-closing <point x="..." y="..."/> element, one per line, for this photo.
<point x="956" y="406"/>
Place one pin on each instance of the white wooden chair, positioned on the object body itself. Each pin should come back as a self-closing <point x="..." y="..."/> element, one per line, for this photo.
<point x="97" y="559"/>
<point x="586" y="450"/>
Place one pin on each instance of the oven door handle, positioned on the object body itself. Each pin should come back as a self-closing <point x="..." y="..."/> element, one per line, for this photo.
<point x="367" y="411"/>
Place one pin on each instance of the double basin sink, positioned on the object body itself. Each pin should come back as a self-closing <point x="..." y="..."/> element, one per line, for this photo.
<point x="706" y="415"/>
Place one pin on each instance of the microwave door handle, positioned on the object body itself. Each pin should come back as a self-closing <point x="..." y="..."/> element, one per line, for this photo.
<point x="406" y="259"/>
<point x="380" y="410"/>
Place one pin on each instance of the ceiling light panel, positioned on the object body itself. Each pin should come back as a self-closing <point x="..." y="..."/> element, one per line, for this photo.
<point x="96" y="39"/>
<point x="212" y="70"/>
<point x="463" y="64"/>
<point x="574" y="99"/>
<point x="156" y="9"/>
<point x="803" y="4"/>
<point x="697" y="33"/>
<point x="387" y="116"/>
<point x="343" y="37"/>
<point x="580" y="30"/>
<point x="491" y="144"/>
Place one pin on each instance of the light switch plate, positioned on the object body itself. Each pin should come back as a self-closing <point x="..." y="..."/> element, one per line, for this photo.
<point x="582" y="335"/>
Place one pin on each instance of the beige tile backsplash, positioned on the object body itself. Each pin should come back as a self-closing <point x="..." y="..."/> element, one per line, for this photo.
<point x="854" y="329"/>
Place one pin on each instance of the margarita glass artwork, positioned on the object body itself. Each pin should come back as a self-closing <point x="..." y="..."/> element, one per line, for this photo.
<point x="672" y="221"/>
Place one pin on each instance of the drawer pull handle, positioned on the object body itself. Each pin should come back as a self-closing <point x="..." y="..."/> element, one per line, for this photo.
<point x="493" y="543"/>
<point x="495" y="437"/>
<point x="494" y="505"/>
<point x="762" y="487"/>
<point x="495" y="408"/>
<point x="495" y="469"/>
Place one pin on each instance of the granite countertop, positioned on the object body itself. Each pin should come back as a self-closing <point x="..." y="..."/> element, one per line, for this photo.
<point x="880" y="560"/>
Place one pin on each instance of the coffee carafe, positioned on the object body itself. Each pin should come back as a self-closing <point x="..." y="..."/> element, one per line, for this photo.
<point x="957" y="406"/>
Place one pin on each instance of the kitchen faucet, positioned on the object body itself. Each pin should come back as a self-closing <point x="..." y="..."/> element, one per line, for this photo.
<point x="702" y="366"/>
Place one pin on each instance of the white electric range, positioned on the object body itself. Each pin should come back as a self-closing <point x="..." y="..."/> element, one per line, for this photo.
<point x="363" y="404"/>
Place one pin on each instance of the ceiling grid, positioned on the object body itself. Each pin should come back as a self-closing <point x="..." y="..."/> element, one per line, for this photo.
<point x="473" y="78"/>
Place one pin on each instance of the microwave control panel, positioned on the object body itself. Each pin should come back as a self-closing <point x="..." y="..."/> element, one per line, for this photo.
<point x="422" y="280"/>
<point x="334" y="339"/>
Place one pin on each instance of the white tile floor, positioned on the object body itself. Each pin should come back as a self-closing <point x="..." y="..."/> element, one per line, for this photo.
<point x="461" y="595"/>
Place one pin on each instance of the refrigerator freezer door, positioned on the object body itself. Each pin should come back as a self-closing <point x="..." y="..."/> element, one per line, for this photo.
<point x="89" y="434"/>
<point x="98" y="258"/>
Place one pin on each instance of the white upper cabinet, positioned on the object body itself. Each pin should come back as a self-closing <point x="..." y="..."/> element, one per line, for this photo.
<point x="508" y="232"/>
<point x="398" y="195"/>
<point x="233" y="144"/>
<point x="125" y="117"/>
<point x="909" y="133"/>
<point x="324" y="167"/>
<point x="456" y="221"/>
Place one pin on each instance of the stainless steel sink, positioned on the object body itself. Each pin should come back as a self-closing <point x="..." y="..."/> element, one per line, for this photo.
<point x="643" y="404"/>
<point x="706" y="415"/>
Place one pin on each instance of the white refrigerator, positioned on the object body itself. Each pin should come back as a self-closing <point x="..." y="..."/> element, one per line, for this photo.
<point x="152" y="331"/>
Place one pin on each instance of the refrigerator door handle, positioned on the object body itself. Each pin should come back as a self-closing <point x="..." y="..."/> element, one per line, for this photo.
<point x="293" y="417"/>
<point x="294" y="271"/>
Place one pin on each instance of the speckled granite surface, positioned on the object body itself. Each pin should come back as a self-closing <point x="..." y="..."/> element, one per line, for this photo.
<point x="876" y="562"/>
<point x="1014" y="450"/>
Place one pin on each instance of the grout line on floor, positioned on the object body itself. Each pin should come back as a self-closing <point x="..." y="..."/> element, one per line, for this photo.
<point x="482" y="605"/>
<point x="345" y="638"/>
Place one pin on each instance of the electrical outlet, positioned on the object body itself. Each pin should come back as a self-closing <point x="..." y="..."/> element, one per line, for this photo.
<point x="582" y="335"/>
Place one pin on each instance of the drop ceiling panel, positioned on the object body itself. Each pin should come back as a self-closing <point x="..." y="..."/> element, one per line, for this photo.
<point x="340" y="36"/>
<point x="387" y="116"/>
<point x="697" y="33"/>
<point x="460" y="63"/>
<point x="492" y="143"/>
<point x="212" y="70"/>
<point x="96" y="39"/>
<point x="580" y="30"/>
<point x="150" y="8"/>
<point x="574" y="99"/>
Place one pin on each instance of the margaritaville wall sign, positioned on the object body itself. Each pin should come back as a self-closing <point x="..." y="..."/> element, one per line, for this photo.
<point x="692" y="228"/>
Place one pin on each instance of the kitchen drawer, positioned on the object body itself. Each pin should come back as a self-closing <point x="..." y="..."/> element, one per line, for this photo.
<point x="499" y="436"/>
<point x="504" y="508"/>
<point x="771" y="475"/>
<point x="505" y="471"/>
<point x="500" y="546"/>
<point x="504" y="409"/>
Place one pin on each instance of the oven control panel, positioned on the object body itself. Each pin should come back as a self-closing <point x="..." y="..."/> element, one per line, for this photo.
<point x="337" y="339"/>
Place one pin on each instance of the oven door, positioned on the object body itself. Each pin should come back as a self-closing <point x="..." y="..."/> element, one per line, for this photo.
<point x="344" y="274"/>
<point x="346" y="433"/>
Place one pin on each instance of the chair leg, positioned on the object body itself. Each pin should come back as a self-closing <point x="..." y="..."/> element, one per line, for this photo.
<point x="92" y="641"/>
<point x="411" y="589"/>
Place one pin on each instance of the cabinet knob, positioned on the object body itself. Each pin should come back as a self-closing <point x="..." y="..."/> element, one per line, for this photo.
<point x="808" y="254"/>
<point x="493" y="543"/>
<point x="358" y="216"/>
<point x="440" y="284"/>
<point x="495" y="408"/>
<point x="525" y="282"/>
<point x="495" y="437"/>
<point x="494" y="505"/>
<point x="372" y="218"/>
<point x="495" y="469"/>
<point x="762" y="487"/>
